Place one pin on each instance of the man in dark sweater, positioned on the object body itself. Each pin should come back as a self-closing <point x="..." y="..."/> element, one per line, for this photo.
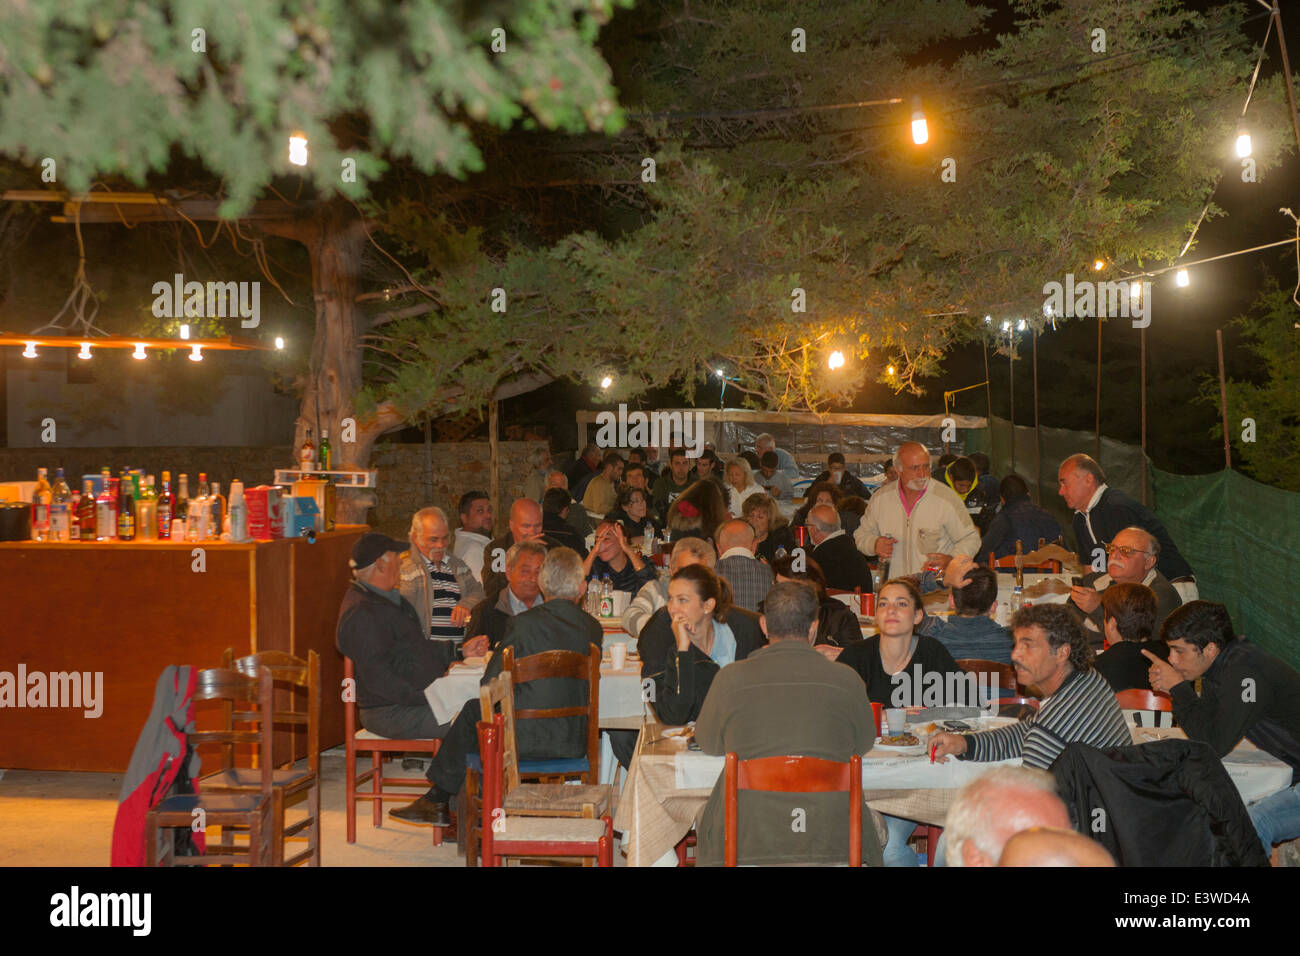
<point x="837" y="473"/>
<point x="560" y="624"/>
<point x="844" y="566"/>
<point x="1224" y="688"/>
<point x="525" y="524"/>
<point x="1129" y="619"/>
<point x="1019" y="520"/>
<point x="556" y="529"/>
<point x="1101" y="512"/>
<point x="523" y="567"/>
<point x="392" y="655"/>
<point x="786" y="699"/>
<point x="672" y="482"/>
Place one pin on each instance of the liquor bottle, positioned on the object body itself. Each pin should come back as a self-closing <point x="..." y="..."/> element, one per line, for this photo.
<point x="325" y="454"/>
<point x="166" y="508"/>
<point x="648" y="542"/>
<point x="125" y="508"/>
<point x="106" y="510"/>
<point x="60" y="509"/>
<point x="146" y="512"/>
<point x="238" y="512"/>
<point x="1020" y="565"/>
<point x="41" y="507"/>
<point x="217" y="507"/>
<point x="199" y="512"/>
<point x="137" y="483"/>
<point x="86" y="512"/>
<point x="307" y="454"/>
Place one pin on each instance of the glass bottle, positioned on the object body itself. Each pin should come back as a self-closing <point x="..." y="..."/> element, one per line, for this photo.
<point x="166" y="508"/>
<point x="307" y="454"/>
<point x="146" y="512"/>
<point x="41" y="507"/>
<point x="60" y="509"/>
<point x="106" y="509"/>
<point x="86" y="509"/>
<point x="217" y="509"/>
<point x="325" y="454"/>
<point x="125" y="508"/>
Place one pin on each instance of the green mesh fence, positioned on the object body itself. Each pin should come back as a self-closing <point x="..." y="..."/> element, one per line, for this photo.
<point x="1241" y="538"/>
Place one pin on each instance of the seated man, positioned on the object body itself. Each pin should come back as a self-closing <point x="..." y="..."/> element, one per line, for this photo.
<point x="786" y="699"/>
<point x="1129" y="613"/>
<point x="748" y="577"/>
<point x="559" y="624"/>
<point x="584" y="466"/>
<point x="669" y="486"/>
<point x="525" y="524"/>
<point x="614" y="558"/>
<point x="475" y="531"/>
<point x="439" y="585"/>
<point x="1052" y="654"/>
<point x="971" y="631"/>
<point x="1224" y="689"/>
<point x="785" y="462"/>
<point x="556" y="530"/>
<point x="1133" y="556"/>
<point x="523" y="565"/>
<point x="844" y="566"/>
<point x="1019" y="520"/>
<point x="1053" y="846"/>
<point x="995" y="806"/>
<point x="837" y="473"/>
<point x="576" y="518"/>
<point x="602" y="490"/>
<point x="773" y="480"/>
<point x="393" y="658"/>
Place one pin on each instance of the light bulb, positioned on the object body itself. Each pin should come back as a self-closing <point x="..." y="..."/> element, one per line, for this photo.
<point x="920" y="131"/>
<point x="719" y="373"/>
<point x="1243" y="140"/>
<point x="139" y="351"/>
<point x="30" y="351"/>
<point x="889" y="370"/>
<point x="836" y="360"/>
<point x="298" y="149"/>
<point x="196" y="352"/>
<point x="279" y="342"/>
<point x="85" y="351"/>
<point x="1135" y="289"/>
<point x="988" y="319"/>
<point x="1020" y="326"/>
<point x="1098" y="265"/>
<point x="1006" y="326"/>
<point x="606" y="382"/>
<point x="185" y="330"/>
<point x="1182" y="279"/>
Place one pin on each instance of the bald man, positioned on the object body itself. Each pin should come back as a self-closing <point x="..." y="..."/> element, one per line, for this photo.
<point x="1050" y="846"/>
<point x="525" y="524"/>
<point x="843" y="565"/>
<point x="996" y="805"/>
<point x="750" y="579"/>
<point x="893" y="525"/>
<point x="1131" y="559"/>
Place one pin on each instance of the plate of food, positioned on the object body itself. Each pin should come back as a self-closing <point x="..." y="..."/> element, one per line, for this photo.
<point x="900" y="743"/>
<point x="679" y="733"/>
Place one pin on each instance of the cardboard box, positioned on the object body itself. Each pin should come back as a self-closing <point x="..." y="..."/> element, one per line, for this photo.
<point x="265" y="513"/>
<point x="304" y="516"/>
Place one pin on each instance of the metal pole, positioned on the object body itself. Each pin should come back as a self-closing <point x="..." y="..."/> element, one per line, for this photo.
<point x="428" y="461"/>
<point x="1142" y="387"/>
<point x="1286" y="73"/>
<point x="1223" y="402"/>
<point x="494" y="459"/>
<point x="988" y="393"/>
<point x="1038" y="435"/>
<point x="1011" y="391"/>
<point x="1096" y="441"/>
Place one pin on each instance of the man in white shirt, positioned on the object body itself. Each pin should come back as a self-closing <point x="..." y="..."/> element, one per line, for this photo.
<point x="475" y="531"/>
<point x="897" y="516"/>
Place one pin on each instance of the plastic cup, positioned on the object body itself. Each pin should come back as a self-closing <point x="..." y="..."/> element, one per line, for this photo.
<point x="868" y="604"/>
<point x="877" y="710"/>
<point x="896" y="720"/>
<point x="618" y="655"/>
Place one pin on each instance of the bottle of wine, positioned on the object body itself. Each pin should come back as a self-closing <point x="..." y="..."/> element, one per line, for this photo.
<point x="41" y="507"/>
<point x="60" y="509"/>
<point x="106" y="509"/>
<point x="86" y="512"/>
<point x="166" y="508"/>
<point x="325" y="454"/>
<point x="125" y="508"/>
<point x="307" y="454"/>
<point x="217" y="505"/>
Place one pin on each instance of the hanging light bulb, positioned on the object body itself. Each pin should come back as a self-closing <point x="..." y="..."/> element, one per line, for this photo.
<point x="1182" y="279"/>
<point x="1243" y="139"/>
<point x="1098" y="264"/>
<point x="279" y="342"/>
<point x="720" y="373"/>
<point x="988" y="319"/>
<point x="1135" y="289"/>
<point x="1020" y="326"/>
<point x="920" y="131"/>
<point x="139" y="351"/>
<point x="85" y="351"/>
<point x="298" y="148"/>
<point x="606" y="382"/>
<point x="889" y="370"/>
<point x="30" y="351"/>
<point x="836" y="360"/>
<point x="185" y="330"/>
<point x="1006" y="326"/>
<point x="196" y="352"/>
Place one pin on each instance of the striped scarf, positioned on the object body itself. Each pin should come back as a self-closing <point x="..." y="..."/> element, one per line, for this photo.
<point x="444" y="595"/>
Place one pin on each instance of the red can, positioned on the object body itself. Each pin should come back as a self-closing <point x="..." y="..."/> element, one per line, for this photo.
<point x="867" y="602"/>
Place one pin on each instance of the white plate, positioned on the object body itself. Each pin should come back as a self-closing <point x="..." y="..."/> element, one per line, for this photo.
<point x="908" y="750"/>
<point x="677" y="733"/>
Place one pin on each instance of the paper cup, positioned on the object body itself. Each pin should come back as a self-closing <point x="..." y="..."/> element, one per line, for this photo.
<point x="618" y="655"/>
<point x="896" y="719"/>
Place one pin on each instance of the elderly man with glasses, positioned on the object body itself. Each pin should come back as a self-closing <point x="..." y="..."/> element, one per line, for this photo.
<point x="1133" y="555"/>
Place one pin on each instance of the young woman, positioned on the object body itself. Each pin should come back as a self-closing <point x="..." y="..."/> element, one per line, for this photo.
<point x="822" y="493"/>
<point x="771" y="532"/>
<point x="613" y="556"/>
<point x="685" y="643"/>
<point x="633" y="512"/>
<point x="887" y="664"/>
<point x="698" y="511"/>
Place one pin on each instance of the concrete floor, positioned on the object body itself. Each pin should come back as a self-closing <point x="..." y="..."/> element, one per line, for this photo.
<point x="64" y="819"/>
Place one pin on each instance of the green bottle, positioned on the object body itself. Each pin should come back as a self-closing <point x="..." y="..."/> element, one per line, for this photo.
<point x="325" y="449"/>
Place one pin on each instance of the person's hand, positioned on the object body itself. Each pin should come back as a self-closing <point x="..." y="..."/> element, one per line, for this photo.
<point x="621" y="538"/>
<point x="773" y="490"/>
<point x="683" y="632"/>
<point x="828" y="651"/>
<point x="938" y="560"/>
<point x="1161" y="673"/>
<point x="956" y="570"/>
<point x="945" y="744"/>
<point x="459" y="614"/>
<point x="474" y="647"/>
<point x="1087" y="599"/>
<point x="885" y="546"/>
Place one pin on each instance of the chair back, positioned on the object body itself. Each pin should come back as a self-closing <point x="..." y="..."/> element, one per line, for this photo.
<point x="1009" y="562"/>
<point x="246" y="716"/>
<point x="570" y="664"/>
<point x="292" y="672"/>
<point x="497" y="700"/>
<point x="1143" y="700"/>
<point x="489" y="748"/>
<point x="1006" y="674"/>
<point x="792" y="775"/>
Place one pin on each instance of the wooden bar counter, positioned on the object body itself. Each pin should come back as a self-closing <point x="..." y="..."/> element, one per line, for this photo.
<point x="129" y="609"/>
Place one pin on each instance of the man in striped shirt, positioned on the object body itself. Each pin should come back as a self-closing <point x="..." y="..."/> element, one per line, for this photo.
<point x="439" y="585"/>
<point x="1051" y="653"/>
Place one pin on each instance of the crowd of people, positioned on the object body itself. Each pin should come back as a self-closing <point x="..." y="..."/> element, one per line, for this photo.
<point x="741" y="634"/>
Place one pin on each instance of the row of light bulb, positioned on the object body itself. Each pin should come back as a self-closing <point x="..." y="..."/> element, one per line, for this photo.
<point x="196" y="349"/>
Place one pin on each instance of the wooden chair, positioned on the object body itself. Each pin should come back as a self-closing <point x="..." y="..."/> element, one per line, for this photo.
<point x="356" y="739"/>
<point x="1006" y="674"/>
<point x="792" y="775"/>
<point x="289" y="785"/>
<point x="1009" y="564"/>
<point x="534" y="836"/>
<point x="245" y="701"/>
<point x="1144" y="700"/>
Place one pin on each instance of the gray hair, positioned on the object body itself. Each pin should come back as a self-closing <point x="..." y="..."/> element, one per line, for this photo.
<point x="979" y="806"/>
<point x="700" y="548"/>
<point x="561" y="575"/>
<point x="430" y="512"/>
<point x="743" y="465"/>
<point x="764" y="439"/>
<point x="1087" y="465"/>
<point x="537" y="454"/>
<point x="521" y="548"/>
<point x="790" y="609"/>
<point x="1153" y="543"/>
<point x="825" y="527"/>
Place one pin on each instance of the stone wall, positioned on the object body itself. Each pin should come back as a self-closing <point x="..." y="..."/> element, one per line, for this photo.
<point x="457" y="467"/>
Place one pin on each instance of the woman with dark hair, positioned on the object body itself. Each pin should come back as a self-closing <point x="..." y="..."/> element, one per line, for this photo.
<point x="685" y="643"/>
<point x="821" y="493"/>
<point x="698" y="511"/>
<point x="633" y="512"/>
<point x="837" y="623"/>
<point x="771" y="532"/>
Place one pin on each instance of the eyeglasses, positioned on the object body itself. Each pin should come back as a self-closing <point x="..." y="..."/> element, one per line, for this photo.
<point x="1124" y="550"/>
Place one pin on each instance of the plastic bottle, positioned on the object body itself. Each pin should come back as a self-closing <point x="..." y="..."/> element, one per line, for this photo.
<point x="606" y="598"/>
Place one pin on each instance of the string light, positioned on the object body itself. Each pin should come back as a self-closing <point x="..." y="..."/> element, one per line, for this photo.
<point x="1098" y="265"/>
<point x="1135" y="289"/>
<point x="30" y="351"/>
<point x="279" y="342"/>
<point x="298" y="148"/>
<point x="1243" y="140"/>
<point x="889" y="371"/>
<point x="836" y="360"/>
<point x="1020" y="326"/>
<point x="1006" y="326"/>
<point x="1182" y="279"/>
<point x="606" y="382"/>
<point x="988" y="319"/>
<point x="920" y="131"/>
<point x="139" y="351"/>
<point x="185" y="330"/>
<point x="196" y="352"/>
<point x="85" y="351"/>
